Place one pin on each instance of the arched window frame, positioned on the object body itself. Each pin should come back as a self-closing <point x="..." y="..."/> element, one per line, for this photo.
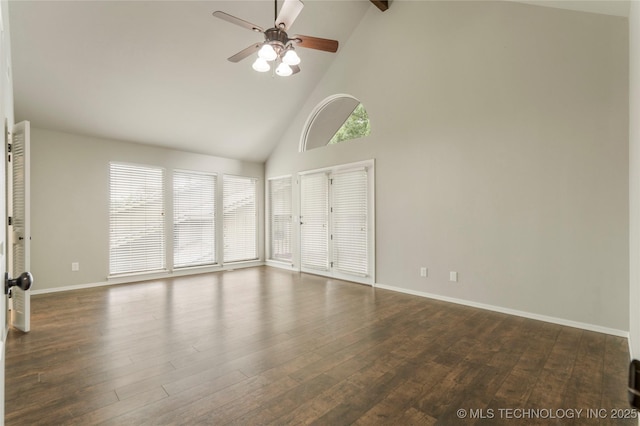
<point x="319" y="108"/>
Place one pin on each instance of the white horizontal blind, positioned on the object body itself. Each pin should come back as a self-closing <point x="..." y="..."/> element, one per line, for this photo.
<point x="280" y="220"/>
<point x="239" y="218"/>
<point x="314" y="218"/>
<point x="136" y="219"/>
<point x="194" y="219"/>
<point x="349" y="219"/>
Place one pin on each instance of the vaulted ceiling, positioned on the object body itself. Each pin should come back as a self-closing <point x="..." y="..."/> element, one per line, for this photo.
<point x="155" y="72"/>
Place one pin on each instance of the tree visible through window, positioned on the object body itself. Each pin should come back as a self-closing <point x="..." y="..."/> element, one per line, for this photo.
<point x="356" y="126"/>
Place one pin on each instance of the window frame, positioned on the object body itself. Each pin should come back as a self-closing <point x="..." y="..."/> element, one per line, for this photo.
<point x="316" y="112"/>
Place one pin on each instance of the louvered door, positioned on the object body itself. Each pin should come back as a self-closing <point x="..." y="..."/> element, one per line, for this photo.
<point x="19" y="232"/>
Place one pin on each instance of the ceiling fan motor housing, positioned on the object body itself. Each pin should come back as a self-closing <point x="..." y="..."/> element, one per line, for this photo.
<point x="276" y="38"/>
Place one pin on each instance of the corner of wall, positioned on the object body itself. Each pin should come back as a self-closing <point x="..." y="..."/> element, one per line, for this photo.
<point x="634" y="179"/>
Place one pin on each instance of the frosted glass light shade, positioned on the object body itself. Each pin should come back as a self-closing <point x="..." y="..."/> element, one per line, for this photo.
<point x="261" y="65"/>
<point x="291" y="58"/>
<point x="267" y="52"/>
<point x="284" y="70"/>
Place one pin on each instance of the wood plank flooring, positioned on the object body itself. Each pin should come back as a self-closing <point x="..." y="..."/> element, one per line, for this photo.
<point x="267" y="346"/>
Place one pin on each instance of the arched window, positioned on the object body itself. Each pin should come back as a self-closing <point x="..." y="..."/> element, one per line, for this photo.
<point x="336" y="119"/>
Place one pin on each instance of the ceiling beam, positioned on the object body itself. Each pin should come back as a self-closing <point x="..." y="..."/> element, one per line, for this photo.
<point x="381" y="4"/>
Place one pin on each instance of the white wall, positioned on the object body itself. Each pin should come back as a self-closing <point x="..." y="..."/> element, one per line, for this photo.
<point x="500" y="137"/>
<point x="634" y="178"/>
<point x="70" y="200"/>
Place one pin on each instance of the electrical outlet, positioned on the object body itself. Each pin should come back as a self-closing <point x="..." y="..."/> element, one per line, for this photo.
<point x="453" y="277"/>
<point x="75" y="266"/>
<point x="423" y="272"/>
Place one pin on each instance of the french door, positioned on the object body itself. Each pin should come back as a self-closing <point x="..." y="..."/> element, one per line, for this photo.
<point x="336" y="223"/>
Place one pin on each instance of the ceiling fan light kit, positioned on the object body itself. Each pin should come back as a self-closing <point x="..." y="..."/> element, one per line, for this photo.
<point x="277" y="46"/>
<point x="267" y="52"/>
<point x="291" y="57"/>
<point x="261" y="65"/>
<point x="284" y="70"/>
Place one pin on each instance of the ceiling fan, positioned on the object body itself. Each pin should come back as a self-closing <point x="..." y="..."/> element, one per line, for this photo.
<point x="277" y="46"/>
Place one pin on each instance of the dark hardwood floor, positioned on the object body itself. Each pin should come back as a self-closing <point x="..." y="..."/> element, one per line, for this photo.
<point x="267" y="346"/>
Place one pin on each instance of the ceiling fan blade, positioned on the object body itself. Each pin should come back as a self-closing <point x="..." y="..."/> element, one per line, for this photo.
<point x="316" y="43"/>
<point x="244" y="53"/>
<point x="295" y="69"/>
<point x="238" y="21"/>
<point x="288" y="13"/>
<point x="381" y="4"/>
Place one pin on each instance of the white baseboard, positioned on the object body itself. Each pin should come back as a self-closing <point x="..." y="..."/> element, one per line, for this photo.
<point x="194" y="271"/>
<point x="545" y="318"/>
<point x="146" y="277"/>
<point x="281" y="265"/>
<point x="71" y="287"/>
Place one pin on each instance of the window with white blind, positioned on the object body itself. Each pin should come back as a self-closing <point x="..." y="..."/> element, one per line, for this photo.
<point x="194" y="219"/>
<point x="349" y="220"/>
<point x="136" y="219"/>
<point x="314" y="221"/>
<point x="280" y="219"/>
<point x="239" y="218"/>
<point x="336" y="216"/>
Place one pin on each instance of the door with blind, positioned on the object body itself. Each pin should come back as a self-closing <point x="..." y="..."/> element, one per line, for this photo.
<point x="314" y="222"/>
<point x="19" y="231"/>
<point x="336" y="223"/>
<point x="280" y="219"/>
